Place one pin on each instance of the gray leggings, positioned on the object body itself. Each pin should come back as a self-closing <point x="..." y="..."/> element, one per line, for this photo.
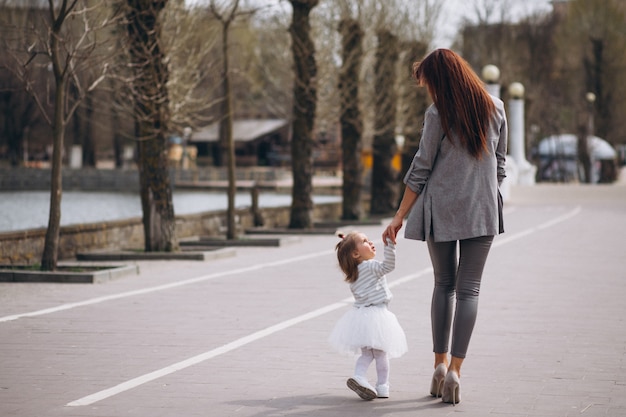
<point x="464" y="280"/>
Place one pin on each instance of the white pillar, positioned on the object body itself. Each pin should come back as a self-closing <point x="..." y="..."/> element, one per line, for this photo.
<point x="186" y="137"/>
<point x="76" y="156"/>
<point x="516" y="129"/>
<point x="525" y="170"/>
<point x="491" y="74"/>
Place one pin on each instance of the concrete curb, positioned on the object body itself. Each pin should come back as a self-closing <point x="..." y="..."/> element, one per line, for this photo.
<point x="287" y="231"/>
<point x="107" y="273"/>
<point x="244" y="241"/>
<point x="130" y="255"/>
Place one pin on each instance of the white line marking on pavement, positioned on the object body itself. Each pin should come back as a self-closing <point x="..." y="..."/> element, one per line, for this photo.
<point x="125" y="386"/>
<point x="135" y="382"/>
<point x="560" y="219"/>
<point x="97" y="300"/>
<point x="507" y="239"/>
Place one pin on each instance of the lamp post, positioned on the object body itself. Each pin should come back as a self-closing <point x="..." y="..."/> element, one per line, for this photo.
<point x="526" y="171"/>
<point x="591" y="99"/>
<point x="491" y="75"/>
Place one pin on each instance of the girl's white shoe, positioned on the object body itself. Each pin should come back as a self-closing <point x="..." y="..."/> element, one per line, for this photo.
<point x="363" y="388"/>
<point x="382" y="390"/>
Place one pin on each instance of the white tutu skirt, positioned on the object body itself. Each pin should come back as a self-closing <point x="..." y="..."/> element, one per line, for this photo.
<point x="375" y="327"/>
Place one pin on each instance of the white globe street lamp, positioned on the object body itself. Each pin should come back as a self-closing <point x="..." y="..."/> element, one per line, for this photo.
<point x="516" y="90"/>
<point x="491" y="75"/>
<point x="591" y="99"/>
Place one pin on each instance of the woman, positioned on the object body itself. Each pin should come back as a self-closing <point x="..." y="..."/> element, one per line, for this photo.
<point x="452" y="196"/>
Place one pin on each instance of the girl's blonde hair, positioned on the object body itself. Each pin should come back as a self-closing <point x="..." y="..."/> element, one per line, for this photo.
<point x="345" y="249"/>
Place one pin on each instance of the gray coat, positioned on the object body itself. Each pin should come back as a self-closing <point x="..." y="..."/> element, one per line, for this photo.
<point x="458" y="194"/>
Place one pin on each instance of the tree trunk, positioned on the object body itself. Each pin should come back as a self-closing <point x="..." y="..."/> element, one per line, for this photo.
<point x="89" y="148"/>
<point x="384" y="177"/>
<point x="151" y="123"/>
<point x="226" y="136"/>
<point x="350" y="118"/>
<point x="118" y="144"/>
<point x="156" y="196"/>
<point x="15" y="150"/>
<point x="51" y="243"/>
<point x="304" y="104"/>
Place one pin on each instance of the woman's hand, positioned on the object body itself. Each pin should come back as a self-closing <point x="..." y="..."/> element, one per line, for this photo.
<point x="392" y="229"/>
<point x="408" y="198"/>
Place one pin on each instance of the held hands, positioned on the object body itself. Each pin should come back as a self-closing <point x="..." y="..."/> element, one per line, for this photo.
<point x="392" y="230"/>
<point x="408" y="199"/>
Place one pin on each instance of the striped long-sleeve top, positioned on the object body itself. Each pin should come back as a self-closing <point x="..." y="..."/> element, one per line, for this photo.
<point x="371" y="287"/>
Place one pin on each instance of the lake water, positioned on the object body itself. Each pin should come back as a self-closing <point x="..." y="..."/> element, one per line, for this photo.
<point x="30" y="209"/>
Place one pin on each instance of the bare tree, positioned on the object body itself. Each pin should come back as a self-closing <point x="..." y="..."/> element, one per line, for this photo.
<point x="304" y="106"/>
<point x="63" y="37"/>
<point x="227" y="146"/>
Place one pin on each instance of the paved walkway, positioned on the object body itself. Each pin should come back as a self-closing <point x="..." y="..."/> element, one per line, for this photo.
<point x="246" y="335"/>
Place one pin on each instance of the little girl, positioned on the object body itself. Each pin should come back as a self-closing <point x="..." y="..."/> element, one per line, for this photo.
<point x="368" y="328"/>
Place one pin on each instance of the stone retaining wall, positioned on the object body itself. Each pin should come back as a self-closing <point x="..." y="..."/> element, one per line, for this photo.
<point x="92" y="179"/>
<point x="26" y="247"/>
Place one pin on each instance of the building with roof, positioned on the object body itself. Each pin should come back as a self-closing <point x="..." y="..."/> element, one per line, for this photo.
<point x="257" y="142"/>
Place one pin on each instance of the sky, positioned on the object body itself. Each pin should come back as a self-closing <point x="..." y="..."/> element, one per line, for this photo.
<point x="453" y="13"/>
<point x="455" y="10"/>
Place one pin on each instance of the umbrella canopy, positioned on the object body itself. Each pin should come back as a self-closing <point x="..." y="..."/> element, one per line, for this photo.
<point x="566" y="145"/>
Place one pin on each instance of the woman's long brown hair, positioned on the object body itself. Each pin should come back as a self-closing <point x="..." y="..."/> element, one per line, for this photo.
<point x="462" y="101"/>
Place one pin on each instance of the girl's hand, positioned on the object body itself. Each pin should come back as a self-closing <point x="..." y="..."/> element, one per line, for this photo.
<point x="392" y="230"/>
